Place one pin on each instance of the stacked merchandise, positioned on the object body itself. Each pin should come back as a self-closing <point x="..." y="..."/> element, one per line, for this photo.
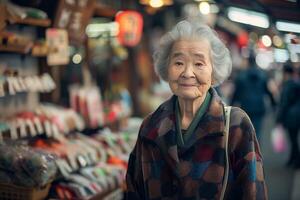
<point x="117" y="104"/>
<point x="13" y="82"/>
<point x="88" y="102"/>
<point x="89" y="166"/>
<point x="25" y="173"/>
<point x="45" y="119"/>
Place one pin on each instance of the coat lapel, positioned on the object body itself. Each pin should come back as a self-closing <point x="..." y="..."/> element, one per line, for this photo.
<point x="212" y="123"/>
<point x="160" y="129"/>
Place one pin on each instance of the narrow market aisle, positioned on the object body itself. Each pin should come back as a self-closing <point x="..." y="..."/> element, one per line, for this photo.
<point x="281" y="181"/>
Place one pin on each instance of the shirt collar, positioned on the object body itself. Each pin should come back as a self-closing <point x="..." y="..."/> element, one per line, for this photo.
<point x="183" y="138"/>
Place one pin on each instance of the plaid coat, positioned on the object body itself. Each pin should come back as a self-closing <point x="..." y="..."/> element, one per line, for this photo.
<point x="159" y="169"/>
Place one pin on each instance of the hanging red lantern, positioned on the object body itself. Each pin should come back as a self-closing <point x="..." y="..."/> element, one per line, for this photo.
<point x="242" y="39"/>
<point x="130" y="27"/>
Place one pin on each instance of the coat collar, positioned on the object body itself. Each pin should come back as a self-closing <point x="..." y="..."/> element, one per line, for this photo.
<point x="160" y="126"/>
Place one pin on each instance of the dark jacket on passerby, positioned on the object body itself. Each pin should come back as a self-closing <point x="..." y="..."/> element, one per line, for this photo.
<point x="289" y="106"/>
<point x="160" y="169"/>
<point x="289" y="112"/>
<point x="250" y="91"/>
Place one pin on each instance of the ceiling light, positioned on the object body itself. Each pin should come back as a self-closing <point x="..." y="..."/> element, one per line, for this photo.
<point x="156" y="3"/>
<point x="277" y="41"/>
<point x="77" y="58"/>
<point x="248" y="17"/>
<point x="288" y="26"/>
<point x="266" y="40"/>
<point x="204" y="7"/>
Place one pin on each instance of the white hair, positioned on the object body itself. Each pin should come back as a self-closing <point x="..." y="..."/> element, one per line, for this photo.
<point x="220" y="56"/>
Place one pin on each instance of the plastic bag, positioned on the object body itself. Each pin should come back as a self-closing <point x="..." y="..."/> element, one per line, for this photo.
<point x="278" y="139"/>
<point x="24" y="166"/>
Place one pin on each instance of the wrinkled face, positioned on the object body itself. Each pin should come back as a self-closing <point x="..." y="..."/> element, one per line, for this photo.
<point x="190" y="69"/>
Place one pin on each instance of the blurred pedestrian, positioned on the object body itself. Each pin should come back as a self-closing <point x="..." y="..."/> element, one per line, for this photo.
<point x="251" y="88"/>
<point x="289" y="110"/>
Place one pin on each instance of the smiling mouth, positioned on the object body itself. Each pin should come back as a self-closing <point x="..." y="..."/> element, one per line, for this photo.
<point x="187" y="85"/>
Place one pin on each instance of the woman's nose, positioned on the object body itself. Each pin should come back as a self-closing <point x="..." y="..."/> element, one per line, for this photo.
<point x="188" y="71"/>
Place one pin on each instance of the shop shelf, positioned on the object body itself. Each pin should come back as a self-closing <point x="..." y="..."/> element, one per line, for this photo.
<point x="14" y="49"/>
<point x="34" y="22"/>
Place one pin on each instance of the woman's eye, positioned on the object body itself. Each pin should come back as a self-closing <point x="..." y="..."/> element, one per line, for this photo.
<point x="199" y="64"/>
<point x="178" y="63"/>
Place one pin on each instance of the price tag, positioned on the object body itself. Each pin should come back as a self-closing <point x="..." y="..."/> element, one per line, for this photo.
<point x="38" y="125"/>
<point x="48" y="128"/>
<point x="22" y="84"/>
<point x="22" y="125"/>
<point x="11" y="89"/>
<point x="55" y="131"/>
<point x="15" y="84"/>
<point x="32" y="130"/>
<point x="13" y="130"/>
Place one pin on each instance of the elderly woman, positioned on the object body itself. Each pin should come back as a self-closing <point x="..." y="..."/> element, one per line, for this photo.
<point x="180" y="151"/>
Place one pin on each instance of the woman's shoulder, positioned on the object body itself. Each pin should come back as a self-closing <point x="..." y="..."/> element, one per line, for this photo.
<point x="164" y="110"/>
<point x="237" y="111"/>
<point x="242" y="132"/>
<point x="239" y="117"/>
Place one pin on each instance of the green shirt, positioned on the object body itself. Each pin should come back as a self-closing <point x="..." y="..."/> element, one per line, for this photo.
<point x="184" y="135"/>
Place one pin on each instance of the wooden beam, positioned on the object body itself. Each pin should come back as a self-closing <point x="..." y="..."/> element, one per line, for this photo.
<point x="279" y="3"/>
<point x="286" y="14"/>
<point x="104" y="11"/>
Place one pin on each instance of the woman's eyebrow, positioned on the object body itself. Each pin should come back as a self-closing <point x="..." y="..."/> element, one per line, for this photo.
<point x="199" y="55"/>
<point x="177" y="54"/>
<point x="181" y="54"/>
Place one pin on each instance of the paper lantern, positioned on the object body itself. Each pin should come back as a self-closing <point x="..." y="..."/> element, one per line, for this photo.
<point x="243" y="39"/>
<point x="130" y="27"/>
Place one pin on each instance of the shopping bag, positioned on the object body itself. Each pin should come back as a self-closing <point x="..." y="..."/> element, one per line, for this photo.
<point x="278" y="139"/>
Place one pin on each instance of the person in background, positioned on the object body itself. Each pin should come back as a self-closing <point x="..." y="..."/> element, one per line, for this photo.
<point x="288" y="114"/>
<point x="251" y="88"/>
<point x="180" y="150"/>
